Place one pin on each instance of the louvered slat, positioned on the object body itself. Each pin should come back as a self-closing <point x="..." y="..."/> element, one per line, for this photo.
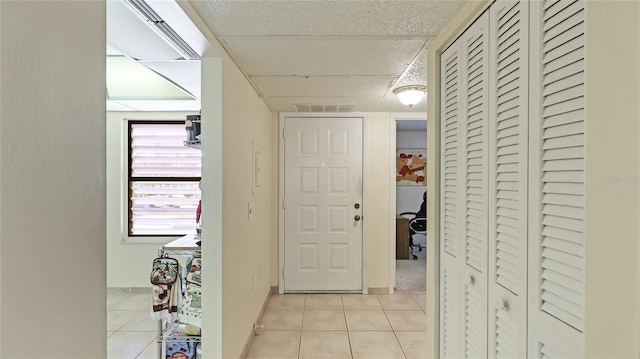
<point x="546" y="353"/>
<point x="475" y="331"/>
<point x="450" y="152"/>
<point x="562" y="163"/>
<point x="506" y="332"/>
<point x="450" y="316"/>
<point x="508" y="153"/>
<point x="475" y="207"/>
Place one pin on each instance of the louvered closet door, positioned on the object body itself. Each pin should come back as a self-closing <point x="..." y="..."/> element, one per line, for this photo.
<point x="557" y="181"/>
<point x="450" y="243"/>
<point x="473" y="147"/>
<point x="508" y="142"/>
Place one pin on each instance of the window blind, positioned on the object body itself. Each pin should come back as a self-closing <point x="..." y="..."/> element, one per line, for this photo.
<point x="164" y="180"/>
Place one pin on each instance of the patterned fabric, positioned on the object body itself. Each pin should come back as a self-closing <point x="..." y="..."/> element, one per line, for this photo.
<point x="167" y="288"/>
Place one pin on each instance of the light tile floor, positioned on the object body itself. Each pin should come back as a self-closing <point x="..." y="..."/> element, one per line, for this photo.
<point x="131" y="333"/>
<point x="342" y="326"/>
<point x="295" y="326"/>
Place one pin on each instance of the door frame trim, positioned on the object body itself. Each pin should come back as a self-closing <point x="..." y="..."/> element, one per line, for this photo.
<point x="280" y="135"/>
<point x="393" y="136"/>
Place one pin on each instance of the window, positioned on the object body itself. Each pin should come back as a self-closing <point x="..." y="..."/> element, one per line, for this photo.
<point x="163" y="179"/>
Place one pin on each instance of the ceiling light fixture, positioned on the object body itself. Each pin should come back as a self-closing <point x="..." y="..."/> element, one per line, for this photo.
<point x="145" y="12"/>
<point x="411" y="94"/>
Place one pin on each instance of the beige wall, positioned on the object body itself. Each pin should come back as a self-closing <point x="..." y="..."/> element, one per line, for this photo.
<point x="612" y="318"/>
<point x="376" y="202"/>
<point x="246" y="242"/>
<point x="128" y="263"/>
<point x="53" y="179"/>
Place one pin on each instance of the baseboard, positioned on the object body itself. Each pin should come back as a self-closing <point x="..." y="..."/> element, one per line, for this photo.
<point x="411" y="292"/>
<point x="252" y="333"/>
<point x="129" y="290"/>
<point x="382" y="290"/>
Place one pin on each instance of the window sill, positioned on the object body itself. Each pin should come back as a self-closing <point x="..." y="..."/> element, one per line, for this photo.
<point x="149" y="239"/>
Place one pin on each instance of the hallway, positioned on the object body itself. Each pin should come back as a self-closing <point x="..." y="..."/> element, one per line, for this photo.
<point x="296" y="326"/>
<point x="342" y="326"/>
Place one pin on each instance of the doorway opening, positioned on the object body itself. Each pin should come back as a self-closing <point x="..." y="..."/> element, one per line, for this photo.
<point x="409" y="201"/>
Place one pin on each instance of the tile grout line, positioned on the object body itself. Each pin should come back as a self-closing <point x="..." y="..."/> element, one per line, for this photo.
<point x="395" y="334"/>
<point x="347" y="325"/>
<point x="304" y="305"/>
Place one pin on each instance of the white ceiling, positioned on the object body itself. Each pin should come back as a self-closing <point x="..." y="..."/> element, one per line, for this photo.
<point x="145" y="73"/>
<point x="350" y="53"/>
<point x="329" y="52"/>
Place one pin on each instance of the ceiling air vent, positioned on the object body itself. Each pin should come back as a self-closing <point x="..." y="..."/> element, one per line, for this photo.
<point x="300" y="107"/>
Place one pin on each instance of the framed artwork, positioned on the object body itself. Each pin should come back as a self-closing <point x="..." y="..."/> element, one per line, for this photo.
<point x="411" y="165"/>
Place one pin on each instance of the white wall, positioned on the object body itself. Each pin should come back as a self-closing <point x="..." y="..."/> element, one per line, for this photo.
<point x="246" y="242"/>
<point x="239" y="248"/>
<point x="409" y="198"/>
<point x="612" y="184"/>
<point x="52" y="194"/>
<point x="377" y="209"/>
<point x="212" y="325"/>
<point x="128" y="262"/>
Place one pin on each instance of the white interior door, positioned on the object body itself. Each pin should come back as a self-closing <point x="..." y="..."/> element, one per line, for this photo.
<point x="322" y="204"/>
<point x="464" y="194"/>
<point x="508" y="186"/>
<point x="474" y="171"/>
<point x="450" y="246"/>
<point x="557" y="242"/>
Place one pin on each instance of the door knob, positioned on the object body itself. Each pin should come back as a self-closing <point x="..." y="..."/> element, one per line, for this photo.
<point x="470" y="279"/>
<point x="356" y="206"/>
<point x="502" y="304"/>
<point x="356" y="218"/>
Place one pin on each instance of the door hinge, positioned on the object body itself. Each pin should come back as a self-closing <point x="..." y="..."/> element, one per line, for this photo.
<point x="284" y="133"/>
<point x="283" y="206"/>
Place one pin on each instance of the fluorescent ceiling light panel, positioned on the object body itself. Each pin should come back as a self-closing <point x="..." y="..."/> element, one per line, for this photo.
<point x="160" y="26"/>
<point x="184" y="73"/>
<point x="129" y="80"/>
<point x="132" y="36"/>
<point x="153" y="105"/>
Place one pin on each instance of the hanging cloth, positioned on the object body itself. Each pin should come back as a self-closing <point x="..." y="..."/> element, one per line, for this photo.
<point x="167" y="289"/>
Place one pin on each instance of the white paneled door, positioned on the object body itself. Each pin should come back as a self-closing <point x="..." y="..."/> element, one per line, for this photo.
<point x="322" y="204"/>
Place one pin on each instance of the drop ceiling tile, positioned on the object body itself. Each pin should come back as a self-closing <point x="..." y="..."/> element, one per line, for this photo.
<point x="388" y="103"/>
<point x="423" y="17"/>
<point x="295" y="55"/>
<point x="416" y="74"/>
<point x="322" y="86"/>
